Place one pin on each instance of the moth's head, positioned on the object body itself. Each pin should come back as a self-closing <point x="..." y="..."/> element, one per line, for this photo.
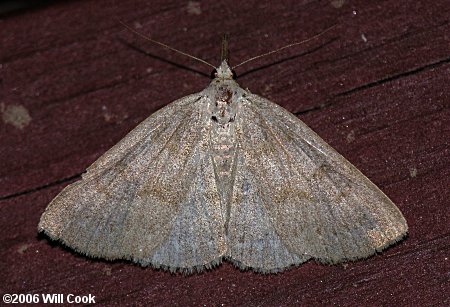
<point x="223" y="72"/>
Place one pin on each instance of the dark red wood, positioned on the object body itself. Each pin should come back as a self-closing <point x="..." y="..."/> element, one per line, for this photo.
<point x="376" y="87"/>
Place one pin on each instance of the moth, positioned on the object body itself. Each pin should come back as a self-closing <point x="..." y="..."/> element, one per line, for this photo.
<point x="223" y="174"/>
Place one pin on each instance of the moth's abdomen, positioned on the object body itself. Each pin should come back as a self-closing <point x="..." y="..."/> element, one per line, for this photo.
<point x="223" y="149"/>
<point x="224" y="159"/>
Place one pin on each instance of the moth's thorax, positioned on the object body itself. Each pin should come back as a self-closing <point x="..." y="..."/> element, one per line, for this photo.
<point x="224" y="96"/>
<point x="224" y="93"/>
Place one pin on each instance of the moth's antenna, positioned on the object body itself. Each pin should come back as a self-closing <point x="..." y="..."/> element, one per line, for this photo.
<point x="279" y="49"/>
<point x="164" y="45"/>
<point x="225" y="54"/>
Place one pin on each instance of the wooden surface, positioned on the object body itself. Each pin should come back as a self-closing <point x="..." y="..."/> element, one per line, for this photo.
<point x="377" y="88"/>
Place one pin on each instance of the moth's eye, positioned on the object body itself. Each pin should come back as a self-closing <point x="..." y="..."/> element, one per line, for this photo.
<point x="213" y="74"/>
<point x="234" y="74"/>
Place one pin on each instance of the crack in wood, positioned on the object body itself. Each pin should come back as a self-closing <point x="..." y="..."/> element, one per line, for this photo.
<point x="36" y="189"/>
<point x="394" y="77"/>
<point x="374" y="84"/>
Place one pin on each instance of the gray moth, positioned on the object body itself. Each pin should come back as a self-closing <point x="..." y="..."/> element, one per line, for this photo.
<point x="223" y="174"/>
